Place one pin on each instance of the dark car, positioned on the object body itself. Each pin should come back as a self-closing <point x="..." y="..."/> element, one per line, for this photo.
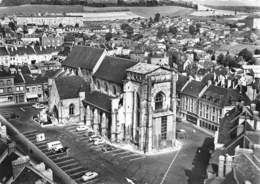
<point x="107" y="147"/>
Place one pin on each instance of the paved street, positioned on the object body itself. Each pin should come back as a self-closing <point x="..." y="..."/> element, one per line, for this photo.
<point x="115" y="165"/>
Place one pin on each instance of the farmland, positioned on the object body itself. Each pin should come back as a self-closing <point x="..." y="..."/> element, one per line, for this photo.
<point x="28" y="10"/>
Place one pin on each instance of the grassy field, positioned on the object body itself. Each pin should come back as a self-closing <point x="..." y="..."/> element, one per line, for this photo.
<point x="147" y="11"/>
<point x="142" y="11"/>
<point x="236" y="48"/>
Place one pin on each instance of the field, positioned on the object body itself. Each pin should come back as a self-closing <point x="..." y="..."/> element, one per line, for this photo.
<point x="147" y="11"/>
<point x="28" y="10"/>
<point x="236" y="48"/>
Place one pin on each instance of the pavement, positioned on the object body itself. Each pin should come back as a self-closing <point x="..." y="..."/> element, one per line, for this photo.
<point x="186" y="166"/>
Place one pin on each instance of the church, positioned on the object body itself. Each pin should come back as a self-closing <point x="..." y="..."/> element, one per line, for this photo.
<point x="125" y="101"/>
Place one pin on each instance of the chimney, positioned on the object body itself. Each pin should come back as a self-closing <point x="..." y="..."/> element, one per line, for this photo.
<point x="229" y="160"/>
<point x="256" y="113"/>
<point x="11" y="147"/>
<point x="19" y="164"/>
<point x="221" y="159"/>
<point x="209" y="83"/>
<point x="253" y="107"/>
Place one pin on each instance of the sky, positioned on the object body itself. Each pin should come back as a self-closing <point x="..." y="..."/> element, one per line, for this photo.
<point x="230" y="2"/>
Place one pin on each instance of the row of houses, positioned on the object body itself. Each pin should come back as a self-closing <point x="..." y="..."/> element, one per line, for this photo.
<point x="203" y="103"/>
<point x="19" y="85"/>
<point x="28" y="54"/>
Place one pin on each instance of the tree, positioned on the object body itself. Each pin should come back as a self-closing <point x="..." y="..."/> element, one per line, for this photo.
<point x="25" y="29"/>
<point x="173" y="29"/>
<point x="124" y="26"/>
<point x="198" y="26"/>
<point x="161" y="32"/>
<point x="12" y="25"/>
<point x="60" y="25"/>
<point x="246" y="54"/>
<point x="220" y="59"/>
<point x="157" y="17"/>
<point x="257" y="51"/>
<point x="129" y="31"/>
<point x="192" y="30"/>
<point x="192" y="69"/>
<point x="108" y="36"/>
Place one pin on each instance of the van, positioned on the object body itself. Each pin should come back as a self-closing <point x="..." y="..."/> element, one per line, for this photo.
<point x="54" y="146"/>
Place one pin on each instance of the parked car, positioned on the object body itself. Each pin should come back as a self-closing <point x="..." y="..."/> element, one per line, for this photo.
<point x="89" y="175"/>
<point x="99" y="141"/>
<point x="107" y="147"/>
<point x="38" y="106"/>
<point x="81" y="128"/>
<point x="93" y="137"/>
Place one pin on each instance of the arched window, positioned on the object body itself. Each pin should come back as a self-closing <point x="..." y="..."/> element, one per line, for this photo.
<point x="98" y="84"/>
<point x="114" y="90"/>
<point x="106" y="87"/>
<point x="71" y="109"/>
<point x="159" y="101"/>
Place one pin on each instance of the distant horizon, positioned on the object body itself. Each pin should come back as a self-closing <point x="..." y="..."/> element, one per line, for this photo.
<point x="250" y="3"/>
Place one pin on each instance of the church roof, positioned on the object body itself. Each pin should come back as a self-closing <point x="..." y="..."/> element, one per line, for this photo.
<point x="113" y="69"/>
<point x="99" y="100"/>
<point x="69" y="87"/>
<point x="83" y="57"/>
<point x="143" y="68"/>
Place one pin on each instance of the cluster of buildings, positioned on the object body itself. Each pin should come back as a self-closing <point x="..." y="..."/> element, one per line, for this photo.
<point x="130" y="81"/>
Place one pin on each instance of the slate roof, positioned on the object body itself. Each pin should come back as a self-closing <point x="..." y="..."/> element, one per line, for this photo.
<point x="225" y="96"/>
<point x="6" y="166"/>
<point x="5" y="73"/>
<point x="180" y="82"/>
<point x="69" y="87"/>
<point x="113" y="69"/>
<point x="3" y="51"/>
<point x="143" y="68"/>
<point x="46" y="50"/>
<point x="99" y="100"/>
<point x="193" y="88"/>
<point x="18" y="79"/>
<point x="83" y="57"/>
<point x="40" y="78"/>
<point x="21" y="51"/>
<point x="27" y="176"/>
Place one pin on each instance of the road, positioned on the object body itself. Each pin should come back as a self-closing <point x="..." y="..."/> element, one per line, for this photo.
<point x="189" y="166"/>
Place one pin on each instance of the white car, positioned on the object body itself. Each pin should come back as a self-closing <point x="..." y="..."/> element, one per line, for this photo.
<point x="38" y="106"/>
<point x="94" y="137"/>
<point x="81" y="128"/>
<point x="89" y="175"/>
<point x="99" y="141"/>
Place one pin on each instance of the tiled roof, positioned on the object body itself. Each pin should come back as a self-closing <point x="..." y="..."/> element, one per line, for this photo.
<point x="83" y="57"/>
<point x="193" y="88"/>
<point x="143" y="68"/>
<point x="98" y="100"/>
<point x="69" y="87"/>
<point x="180" y="82"/>
<point x="113" y="69"/>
